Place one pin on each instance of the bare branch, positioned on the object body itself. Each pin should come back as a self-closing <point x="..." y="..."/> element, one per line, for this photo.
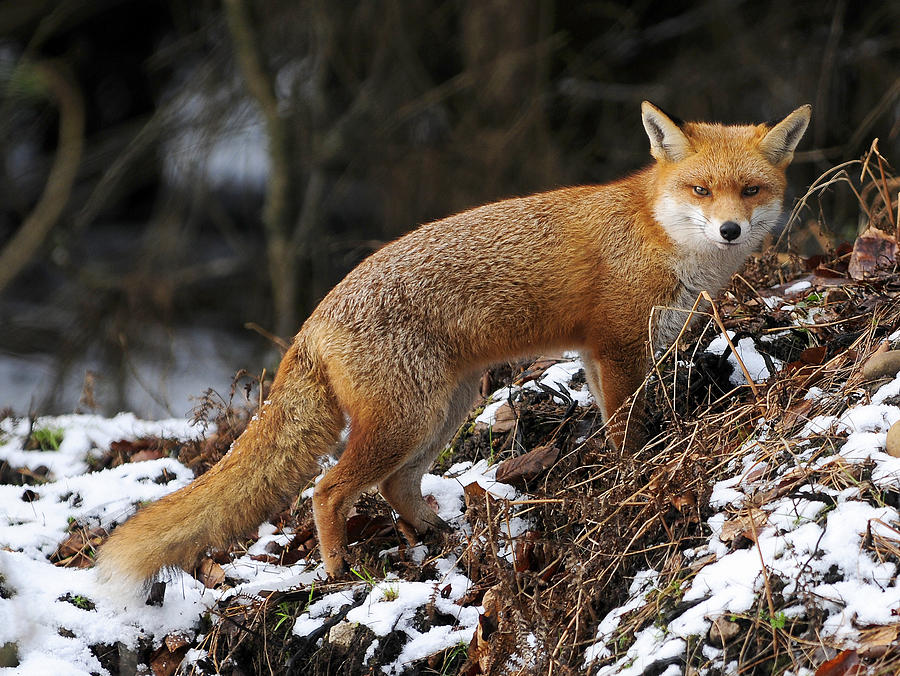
<point x="34" y="229"/>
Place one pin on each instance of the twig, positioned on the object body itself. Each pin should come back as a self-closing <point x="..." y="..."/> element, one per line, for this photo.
<point x="734" y="351"/>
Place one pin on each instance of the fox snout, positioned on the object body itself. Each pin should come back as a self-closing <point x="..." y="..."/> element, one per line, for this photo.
<point x="727" y="232"/>
<point x="730" y="231"/>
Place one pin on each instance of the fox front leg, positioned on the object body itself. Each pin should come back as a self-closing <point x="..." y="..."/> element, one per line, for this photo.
<point x="613" y="381"/>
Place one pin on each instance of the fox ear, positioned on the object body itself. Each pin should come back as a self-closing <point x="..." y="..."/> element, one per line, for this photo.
<point x="667" y="141"/>
<point x="778" y="145"/>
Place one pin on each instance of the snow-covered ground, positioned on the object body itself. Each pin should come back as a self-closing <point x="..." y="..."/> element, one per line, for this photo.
<point x="38" y="611"/>
<point x="808" y="521"/>
<point x="53" y="615"/>
<point x="50" y="616"/>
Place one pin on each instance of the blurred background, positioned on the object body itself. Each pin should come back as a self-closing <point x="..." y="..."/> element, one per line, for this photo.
<point x="181" y="182"/>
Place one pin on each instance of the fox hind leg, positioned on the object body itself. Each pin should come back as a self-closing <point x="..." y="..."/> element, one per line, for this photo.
<point x="403" y="488"/>
<point x="373" y="451"/>
<point x="378" y="448"/>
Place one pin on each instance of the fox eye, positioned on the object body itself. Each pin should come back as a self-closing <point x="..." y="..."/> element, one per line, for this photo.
<point x="750" y="190"/>
<point x="700" y="190"/>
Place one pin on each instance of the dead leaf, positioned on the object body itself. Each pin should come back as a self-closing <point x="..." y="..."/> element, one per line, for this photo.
<point x="479" y="656"/>
<point x="164" y="662"/>
<point x="744" y="526"/>
<point x="474" y="494"/>
<point x="364" y="526"/>
<point x="537" y="369"/>
<point x="175" y="641"/>
<point x="845" y="664"/>
<point x="872" y="250"/>
<point x="525" y="552"/>
<point x="798" y="412"/>
<point x="722" y="631"/>
<point x="137" y="450"/>
<point x="504" y="419"/>
<point x="157" y="594"/>
<point x="756" y="472"/>
<point x="210" y="573"/>
<point x="814" y="355"/>
<point x="685" y="500"/>
<point x="149" y="454"/>
<point x="77" y="550"/>
<point x="516" y="471"/>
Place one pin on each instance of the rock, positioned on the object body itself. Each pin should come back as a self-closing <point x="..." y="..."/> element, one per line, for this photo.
<point x="892" y="445"/>
<point x="9" y="654"/>
<point x="342" y="634"/>
<point x="882" y="365"/>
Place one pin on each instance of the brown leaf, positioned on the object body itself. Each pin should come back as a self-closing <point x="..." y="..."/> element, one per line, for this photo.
<point x="824" y="274"/>
<point x="798" y="411"/>
<point x="525" y="552"/>
<point x="722" y="631"/>
<point x="745" y="525"/>
<point x="210" y="573"/>
<point x="814" y="355"/>
<point x="77" y="549"/>
<point x="518" y="470"/>
<point x="364" y="526"/>
<point x="685" y="500"/>
<point x="756" y="472"/>
<point x="479" y="655"/>
<point x="504" y="419"/>
<point x="872" y="250"/>
<point x="474" y="494"/>
<point x="137" y="450"/>
<point x="492" y="641"/>
<point x="149" y="454"/>
<point x="164" y="662"/>
<point x="157" y="594"/>
<point x="845" y="664"/>
<point x="537" y="369"/>
<point x="175" y="642"/>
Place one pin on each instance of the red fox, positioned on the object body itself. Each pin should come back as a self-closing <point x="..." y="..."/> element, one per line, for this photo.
<point x="396" y="349"/>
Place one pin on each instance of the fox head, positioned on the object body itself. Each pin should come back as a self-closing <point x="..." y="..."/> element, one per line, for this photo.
<point x="720" y="186"/>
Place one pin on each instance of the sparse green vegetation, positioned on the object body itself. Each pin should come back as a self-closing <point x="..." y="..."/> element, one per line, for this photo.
<point x="45" y="439"/>
<point x="78" y="601"/>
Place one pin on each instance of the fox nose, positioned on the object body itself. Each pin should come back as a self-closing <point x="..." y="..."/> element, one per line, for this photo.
<point x="730" y="231"/>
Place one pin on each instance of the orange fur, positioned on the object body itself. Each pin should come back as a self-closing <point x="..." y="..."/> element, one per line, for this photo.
<point x="396" y="347"/>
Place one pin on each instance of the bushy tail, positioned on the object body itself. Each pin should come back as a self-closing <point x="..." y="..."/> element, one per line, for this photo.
<point x="267" y="465"/>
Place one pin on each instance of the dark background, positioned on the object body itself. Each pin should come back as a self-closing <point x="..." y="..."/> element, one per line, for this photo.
<point x="205" y="165"/>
